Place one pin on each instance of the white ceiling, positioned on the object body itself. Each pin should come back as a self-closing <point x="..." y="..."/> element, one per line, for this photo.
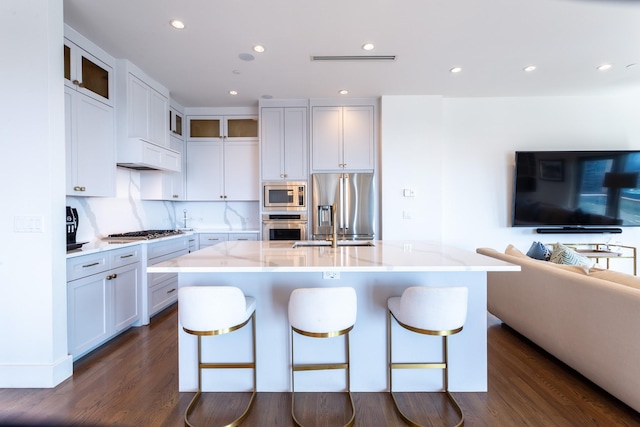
<point x="492" y="40"/>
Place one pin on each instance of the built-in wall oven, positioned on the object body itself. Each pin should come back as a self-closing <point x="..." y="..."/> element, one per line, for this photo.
<point x="283" y="226"/>
<point x="284" y="196"/>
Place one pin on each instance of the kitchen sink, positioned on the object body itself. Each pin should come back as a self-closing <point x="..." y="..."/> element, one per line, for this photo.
<point x="302" y="243"/>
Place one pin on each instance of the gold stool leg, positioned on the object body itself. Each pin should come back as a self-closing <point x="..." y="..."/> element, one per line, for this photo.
<point x="310" y="367"/>
<point x="201" y="366"/>
<point x="444" y="366"/>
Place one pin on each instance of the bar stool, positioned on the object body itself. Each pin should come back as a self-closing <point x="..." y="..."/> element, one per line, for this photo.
<point x="322" y="313"/>
<point x="427" y="310"/>
<point x="216" y="310"/>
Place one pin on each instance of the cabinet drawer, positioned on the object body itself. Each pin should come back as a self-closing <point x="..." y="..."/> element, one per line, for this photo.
<point x="125" y="256"/>
<point x="162" y="295"/>
<point x="158" y="249"/>
<point x="83" y="266"/>
<point x="243" y="236"/>
<point x="208" y="239"/>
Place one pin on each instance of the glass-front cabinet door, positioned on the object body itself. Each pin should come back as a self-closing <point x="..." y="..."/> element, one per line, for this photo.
<point x="217" y="128"/>
<point x="87" y="74"/>
<point x="175" y="122"/>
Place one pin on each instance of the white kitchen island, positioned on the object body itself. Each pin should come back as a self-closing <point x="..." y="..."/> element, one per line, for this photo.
<point x="269" y="271"/>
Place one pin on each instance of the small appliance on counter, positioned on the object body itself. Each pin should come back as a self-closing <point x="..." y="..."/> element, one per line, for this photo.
<point x="72" y="229"/>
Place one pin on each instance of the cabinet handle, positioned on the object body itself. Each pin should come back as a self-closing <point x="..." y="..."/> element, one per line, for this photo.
<point x="212" y="238"/>
<point x="243" y="239"/>
<point x="77" y="83"/>
<point x="171" y="291"/>
<point x="126" y="256"/>
<point x="90" y="265"/>
<point x="175" y="196"/>
<point x="78" y="188"/>
<point x="112" y="276"/>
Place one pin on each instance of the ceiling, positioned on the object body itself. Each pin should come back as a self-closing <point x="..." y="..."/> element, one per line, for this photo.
<point x="491" y="40"/>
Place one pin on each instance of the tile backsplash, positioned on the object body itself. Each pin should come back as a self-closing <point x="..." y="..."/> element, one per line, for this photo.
<point x="99" y="216"/>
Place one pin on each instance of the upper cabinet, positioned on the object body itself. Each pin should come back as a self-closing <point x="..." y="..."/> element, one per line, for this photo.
<point x="222" y="154"/>
<point x="168" y="185"/>
<point x="342" y="138"/>
<point x="218" y="128"/>
<point x="143" y="121"/>
<point x="283" y="143"/>
<point x="89" y="118"/>
<point x="85" y="72"/>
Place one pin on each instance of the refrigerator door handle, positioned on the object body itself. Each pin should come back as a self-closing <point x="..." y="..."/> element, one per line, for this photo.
<point x="346" y="203"/>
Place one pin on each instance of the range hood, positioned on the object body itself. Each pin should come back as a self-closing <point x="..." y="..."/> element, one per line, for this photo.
<point x="143" y="155"/>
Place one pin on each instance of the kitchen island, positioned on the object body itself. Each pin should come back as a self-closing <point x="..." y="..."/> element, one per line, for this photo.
<point x="270" y="271"/>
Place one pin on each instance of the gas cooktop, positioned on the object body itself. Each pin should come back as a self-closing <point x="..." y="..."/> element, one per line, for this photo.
<point x="142" y="235"/>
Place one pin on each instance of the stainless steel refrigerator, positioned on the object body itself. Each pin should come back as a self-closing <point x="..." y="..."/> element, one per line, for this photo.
<point x="355" y="200"/>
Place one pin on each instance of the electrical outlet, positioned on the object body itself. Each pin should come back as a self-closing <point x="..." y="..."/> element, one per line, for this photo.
<point x="331" y="275"/>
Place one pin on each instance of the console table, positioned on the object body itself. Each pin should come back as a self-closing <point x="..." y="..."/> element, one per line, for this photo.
<point x="605" y="251"/>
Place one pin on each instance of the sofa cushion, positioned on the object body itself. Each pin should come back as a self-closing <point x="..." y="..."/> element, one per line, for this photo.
<point x="539" y="250"/>
<point x="617" y="277"/>
<point x="513" y="251"/>
<point x="564" y="255"/>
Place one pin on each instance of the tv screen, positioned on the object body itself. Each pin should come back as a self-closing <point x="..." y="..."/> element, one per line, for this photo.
<point x="576" y="188"/>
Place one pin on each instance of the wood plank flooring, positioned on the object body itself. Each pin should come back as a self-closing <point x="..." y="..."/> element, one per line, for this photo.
<point x="133" y="381"/>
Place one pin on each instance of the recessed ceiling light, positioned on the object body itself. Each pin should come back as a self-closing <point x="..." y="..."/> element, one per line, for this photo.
<point x="631" y="65"/>
<point x="233" y="92"/>
<point x="368" y="46"/>
<point x="177" y="24"/>
<point x="529" y="68"/>
<point x="603" y="67"/>
<point x="455" y="70"/>
<point x="246" y="57"/>
<point x="267" y="96"/>
<point x="343" y="92"/>
<point x="258" y="48"/>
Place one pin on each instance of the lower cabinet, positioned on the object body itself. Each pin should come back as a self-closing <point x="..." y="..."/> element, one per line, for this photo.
<point x="162" y="288"/>
<point x="103" y="297"/>
<point x="210" y="239"/>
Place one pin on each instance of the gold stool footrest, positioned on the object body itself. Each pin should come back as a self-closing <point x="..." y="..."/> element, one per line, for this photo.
<point x="348" y="424"/>
<point x="233" y="423"/>
<point x="412" y="423"/>
<point x="319" y="366"/>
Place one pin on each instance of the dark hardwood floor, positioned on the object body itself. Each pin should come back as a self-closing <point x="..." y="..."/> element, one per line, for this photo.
<point x="133" y="381"/>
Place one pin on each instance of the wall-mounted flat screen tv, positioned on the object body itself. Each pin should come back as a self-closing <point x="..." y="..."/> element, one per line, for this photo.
<point x="576" y="188"/>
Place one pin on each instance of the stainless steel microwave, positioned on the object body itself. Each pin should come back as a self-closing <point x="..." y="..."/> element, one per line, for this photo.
<point x="284" y="196"/>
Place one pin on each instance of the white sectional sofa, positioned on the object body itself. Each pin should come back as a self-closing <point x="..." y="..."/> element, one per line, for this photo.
<point x="587" y="318"/>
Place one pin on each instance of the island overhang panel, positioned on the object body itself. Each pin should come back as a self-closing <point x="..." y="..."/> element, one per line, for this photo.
<point x="270" y="271"/>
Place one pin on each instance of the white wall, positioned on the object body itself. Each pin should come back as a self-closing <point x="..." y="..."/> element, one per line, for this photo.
<point x="411" y="155"/>
<point x="476" y="159"/>
<point x="33" y="310"/>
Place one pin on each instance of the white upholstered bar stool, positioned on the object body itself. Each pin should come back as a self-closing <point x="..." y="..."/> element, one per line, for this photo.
<point x="216" y="310"/>
<point x="322" y="313"/>
<point x="428" y="310"/>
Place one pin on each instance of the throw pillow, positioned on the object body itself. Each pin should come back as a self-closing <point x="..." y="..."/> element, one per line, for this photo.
<point x="539" y="250"/>
<point x="564" y="255"/>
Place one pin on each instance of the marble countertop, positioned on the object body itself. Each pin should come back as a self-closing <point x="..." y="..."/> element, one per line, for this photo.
<point x="281" y="256"/>
<point x="102" y="245"/>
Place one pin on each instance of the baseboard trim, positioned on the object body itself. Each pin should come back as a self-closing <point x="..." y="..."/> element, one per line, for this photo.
<point x="36" y="376"/>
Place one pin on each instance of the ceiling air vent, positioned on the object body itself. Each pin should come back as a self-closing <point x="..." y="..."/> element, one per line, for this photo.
<point x="353" y="58"/>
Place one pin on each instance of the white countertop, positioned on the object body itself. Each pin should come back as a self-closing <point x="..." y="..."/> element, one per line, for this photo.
<point x="102" y="245"/>
<point x="270" y="256"/>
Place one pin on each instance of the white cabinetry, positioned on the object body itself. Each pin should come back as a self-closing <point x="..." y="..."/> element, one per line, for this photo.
<point x="163" y="287"/>
<point x="210" y="239"/>
<point x="89" y="118"/>
<point x="167" y="185"/>
<point x="283" y="143"/>
<point x="143" y="121"/>
<point x="90" y="146"/>
<point x="342" y="138"/>
<point x="226" y="171"/>
<point x="103" y="297"/>
<point x="90" y="74"/>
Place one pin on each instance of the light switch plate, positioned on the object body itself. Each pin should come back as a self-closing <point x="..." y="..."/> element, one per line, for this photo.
<point x="28" y="223"/>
